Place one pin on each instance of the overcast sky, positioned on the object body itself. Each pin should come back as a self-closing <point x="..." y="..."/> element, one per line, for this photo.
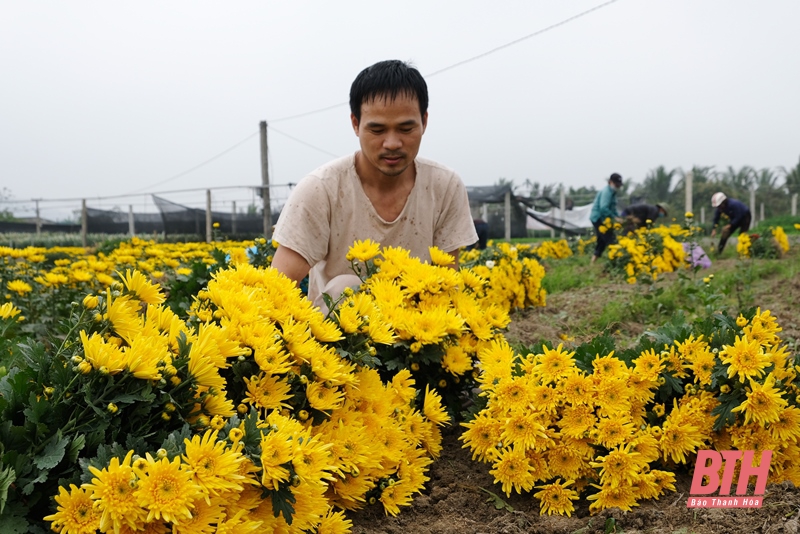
<point x="105" y="98"/>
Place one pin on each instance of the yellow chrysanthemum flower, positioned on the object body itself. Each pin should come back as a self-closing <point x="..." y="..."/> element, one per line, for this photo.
<point x="166" y="490"/>
<point x="214" y="467"/>
<point x="512" y="470"/>
<point x="556" y="498"/>
<point x="440" y="258"/>
<point x="20" y="287"/>
<point x="745" y="358"/>
<point x="113" y="493"/>
<point x="141" y="288"/>
<point x="363" y="250"/>
<point x="764" y="402"/>
<point x="75" y="512"/>
<point x="8" y="310"/>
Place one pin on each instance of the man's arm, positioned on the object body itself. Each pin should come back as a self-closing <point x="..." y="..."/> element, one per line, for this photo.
<point x="717" y="214"/>
<point x="454" y="265"/>
<point x="290" y="263"/>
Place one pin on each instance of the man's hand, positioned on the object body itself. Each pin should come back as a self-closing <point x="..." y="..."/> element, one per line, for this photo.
<point x="290" y="263"/>
<point x="713" y="232"/>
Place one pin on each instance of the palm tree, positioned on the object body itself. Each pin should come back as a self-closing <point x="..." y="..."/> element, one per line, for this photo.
<point x="769" y="193"/>
<point x="792" y="178"/>
<point x="656" y="186"/>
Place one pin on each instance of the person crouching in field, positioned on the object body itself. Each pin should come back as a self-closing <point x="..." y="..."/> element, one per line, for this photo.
<point x="605" y="207"/>
<point x="637" y="215"/>
<point x="383" y="192"/>
<point x="738" y="214"/>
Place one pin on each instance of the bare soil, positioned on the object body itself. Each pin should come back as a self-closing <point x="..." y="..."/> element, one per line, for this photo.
<point x="456" y="499"/>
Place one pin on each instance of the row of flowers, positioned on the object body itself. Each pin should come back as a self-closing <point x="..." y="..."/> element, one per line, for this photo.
<point x="615" y="427"/>
<point x="252" y="410"/>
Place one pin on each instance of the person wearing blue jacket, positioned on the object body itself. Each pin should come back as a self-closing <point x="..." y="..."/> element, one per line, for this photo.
<point x="738" y="214"/>
<point x="605" y="207"/>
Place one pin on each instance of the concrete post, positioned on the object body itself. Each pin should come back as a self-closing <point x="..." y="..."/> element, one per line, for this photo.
<point x="233" y="219"/>
<point x="562" y="206"/>
<point x="84" y="222"/>
<point x="702" y="214"/>
<point x="39" y="219"/>
<point x="794" y="205"/>
<point x="131" y="223"/>
<point x="753" y="203"/>
<point x="508" y="215"/>
<point x="208" y="216"/>
<point x="689" y="190"/>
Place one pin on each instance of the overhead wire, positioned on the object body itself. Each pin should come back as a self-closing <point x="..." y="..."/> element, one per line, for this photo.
<point x="206" y="162"/>
<point x="303" y="142"/>
<point x="465" y="61"/>
<point x="327" y="108"/>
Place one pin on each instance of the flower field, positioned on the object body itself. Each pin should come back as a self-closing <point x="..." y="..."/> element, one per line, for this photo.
<point x="191" y="388"/>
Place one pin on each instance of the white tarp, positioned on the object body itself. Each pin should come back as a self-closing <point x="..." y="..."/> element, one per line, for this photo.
<point x="576" y="217"/>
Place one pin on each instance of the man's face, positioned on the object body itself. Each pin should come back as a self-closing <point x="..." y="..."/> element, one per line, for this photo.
<point x="390" y="132"/>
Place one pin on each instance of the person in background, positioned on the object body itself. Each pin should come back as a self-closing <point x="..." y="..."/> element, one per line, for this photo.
<point x="637" y="215"/>
<point x="482" y="229"/>
<point x="605" y="207"/>
<point x="738" y="215"/>
<point x="383" y="192"/>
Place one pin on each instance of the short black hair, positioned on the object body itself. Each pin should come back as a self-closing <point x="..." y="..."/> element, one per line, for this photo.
<point x="388" y="78"/>
<point x="616" y="178"/>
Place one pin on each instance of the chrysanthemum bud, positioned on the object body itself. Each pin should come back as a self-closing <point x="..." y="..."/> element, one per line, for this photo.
<point x="112" y="408"/>
<point x="295" y="481"/>
<point x="415" y="366"/>
<point x="84" y="368"/>
<point x="161" y="453"/>
<point x="76" y="359"/>
<point x="302" y="415"/>
<point x="242" y="408"/>
<point x="217" y="422"/>
<point x="165" y="416"/>
<point x="48" y="391"/>
<point x="235" y="434"/>
<point x="90" y="302"/>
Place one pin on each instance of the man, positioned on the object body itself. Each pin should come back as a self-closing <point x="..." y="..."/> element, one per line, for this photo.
<point x="605" y="207"/>
<point x="737" y="212"/>
<point x="637" y="215"/>
<point x="383" y="192"/>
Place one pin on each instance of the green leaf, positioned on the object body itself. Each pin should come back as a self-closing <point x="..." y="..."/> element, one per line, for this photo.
<point x="498" y="502"/>
<point x="14" y="524"/>
<point x="38" y="408"/>
<point x="75" y="447"/>
<point x="28" y="487"/>
<point x="7" y="477"/>
<point x="282" y="503"/>
<point x="252" y="434"/>
<point x="52" y="453"/>
<point x="174" y="442"/>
